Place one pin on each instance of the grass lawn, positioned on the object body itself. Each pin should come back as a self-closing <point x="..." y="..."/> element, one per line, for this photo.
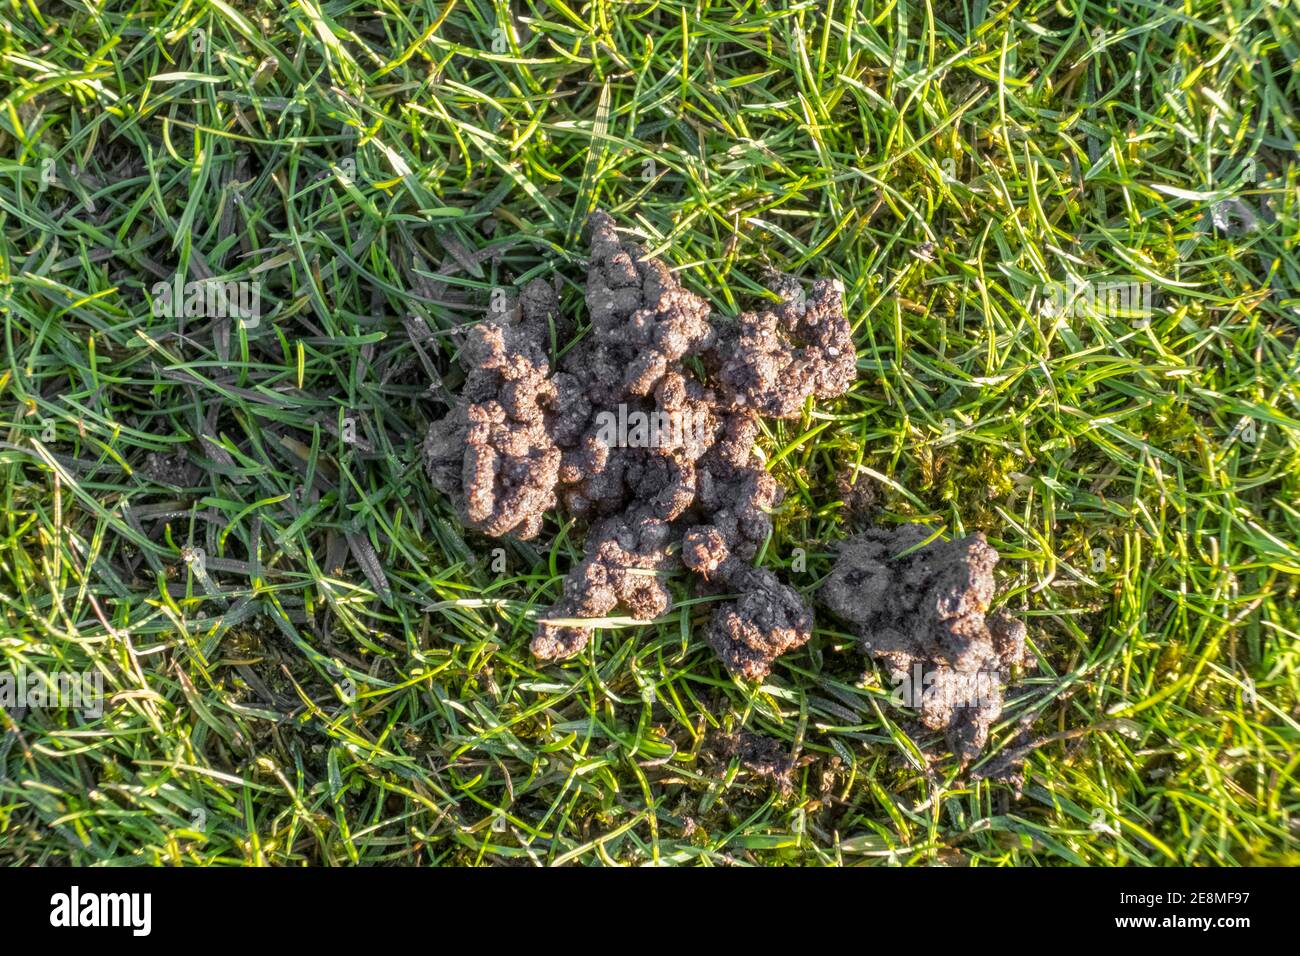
<point x="306" y="659"/>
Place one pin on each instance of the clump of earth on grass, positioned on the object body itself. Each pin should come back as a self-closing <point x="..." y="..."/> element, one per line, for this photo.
<point x="655" y="459"/>
<point x="760" y="755"/>
<point x="921" y="609"/>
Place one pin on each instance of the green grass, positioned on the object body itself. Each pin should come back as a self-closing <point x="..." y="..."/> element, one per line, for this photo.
<point x="348" y="680"/>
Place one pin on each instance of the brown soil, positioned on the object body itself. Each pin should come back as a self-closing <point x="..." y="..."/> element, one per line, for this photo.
<point x="924" y="615"/>
<point x="689" y="493"/>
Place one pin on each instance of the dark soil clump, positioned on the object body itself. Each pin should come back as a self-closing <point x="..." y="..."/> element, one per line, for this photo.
<point x="494" y="455"/>
<point x="760" y="755"/>
<point x="923" y="612"/>
<point x="658" y="462"/>
<point x="860" y="502"/>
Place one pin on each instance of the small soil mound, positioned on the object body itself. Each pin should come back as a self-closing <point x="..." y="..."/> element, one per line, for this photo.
<point x="760" y="755"/>
<point x="923" y="612"/>
<point x="626" y="437"/>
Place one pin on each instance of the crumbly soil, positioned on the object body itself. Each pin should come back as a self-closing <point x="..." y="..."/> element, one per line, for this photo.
<point x="923" y="612"/>
<point x="525" y="438"/>
<point x="760" y="755"/>
<point x="860" y="501"/>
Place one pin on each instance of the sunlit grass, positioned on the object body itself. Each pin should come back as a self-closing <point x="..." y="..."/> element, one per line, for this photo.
<point x="343" y="674"/>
